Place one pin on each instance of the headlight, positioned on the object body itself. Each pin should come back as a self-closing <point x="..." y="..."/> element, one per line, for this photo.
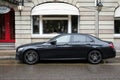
<point x="20" y="49"/>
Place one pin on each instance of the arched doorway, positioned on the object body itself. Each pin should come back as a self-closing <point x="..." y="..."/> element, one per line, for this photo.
<point x="51" y="18"/>
<point x="7" y="25"/>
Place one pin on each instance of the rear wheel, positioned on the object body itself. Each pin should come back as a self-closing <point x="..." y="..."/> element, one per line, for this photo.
<point x="94" y="57"/>
<point x="31" y="57"/>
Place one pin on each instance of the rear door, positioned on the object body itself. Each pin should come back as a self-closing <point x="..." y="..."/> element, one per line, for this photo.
<point x="80" y="45"/>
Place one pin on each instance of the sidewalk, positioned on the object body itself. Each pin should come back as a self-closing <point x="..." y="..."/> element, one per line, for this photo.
<point x="117" y="53"/>
<point x="10" y="54"/>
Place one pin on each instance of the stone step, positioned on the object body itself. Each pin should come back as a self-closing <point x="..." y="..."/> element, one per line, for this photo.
<point x="7" y="46"/>
<point x="7" y="52"/>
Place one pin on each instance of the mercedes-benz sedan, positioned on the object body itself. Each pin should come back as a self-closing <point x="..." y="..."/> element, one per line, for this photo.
<point x="67" y="47"/>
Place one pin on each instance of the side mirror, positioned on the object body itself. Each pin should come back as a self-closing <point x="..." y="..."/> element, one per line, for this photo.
<point x="53" y="42"/>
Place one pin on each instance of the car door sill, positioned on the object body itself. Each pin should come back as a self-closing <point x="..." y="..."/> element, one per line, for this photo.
<point x="63" y="59"/>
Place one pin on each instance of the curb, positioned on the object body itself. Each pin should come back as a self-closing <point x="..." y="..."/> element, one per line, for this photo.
<point x="13" y="57"/>
<point x="7" y="57"/>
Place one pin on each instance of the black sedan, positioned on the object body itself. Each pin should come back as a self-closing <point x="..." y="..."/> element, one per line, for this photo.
<point x="67" y="47"/>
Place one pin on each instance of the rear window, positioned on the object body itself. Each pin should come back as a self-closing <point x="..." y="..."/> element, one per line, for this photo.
<point x="95" y="38"/>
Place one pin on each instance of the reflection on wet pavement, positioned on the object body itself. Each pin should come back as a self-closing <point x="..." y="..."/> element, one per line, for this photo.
<point x="59" y="70"/>
<point x="15" y="62"/>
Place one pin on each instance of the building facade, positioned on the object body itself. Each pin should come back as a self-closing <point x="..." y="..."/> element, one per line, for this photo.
<point x="40" y="20"/>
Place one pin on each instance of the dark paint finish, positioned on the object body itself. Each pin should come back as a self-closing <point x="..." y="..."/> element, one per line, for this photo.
<point x="68" y="47"/>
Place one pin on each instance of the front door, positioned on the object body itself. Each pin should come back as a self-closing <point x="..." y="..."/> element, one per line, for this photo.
<point x="7" y="27"/>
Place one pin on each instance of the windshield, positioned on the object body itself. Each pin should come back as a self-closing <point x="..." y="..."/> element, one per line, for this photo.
<point x="54" y="38"/>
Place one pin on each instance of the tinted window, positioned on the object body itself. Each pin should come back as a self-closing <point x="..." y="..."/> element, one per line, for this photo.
<point x="35" y="24"/>
<point x="55" y="26"/>
<point x="63" y="39"/>
<point x="117" y="26"/>
<point x="79" y="38"/>
<point x="96" y="39"/>
<point x="88" y="39"/>
<point x="74" y="24"/>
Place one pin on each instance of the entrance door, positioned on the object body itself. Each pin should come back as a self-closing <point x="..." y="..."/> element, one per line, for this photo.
<point x="7" y="27"/>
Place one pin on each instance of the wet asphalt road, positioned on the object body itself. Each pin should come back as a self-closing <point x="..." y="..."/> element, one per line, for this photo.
<point x="68" y="70"/>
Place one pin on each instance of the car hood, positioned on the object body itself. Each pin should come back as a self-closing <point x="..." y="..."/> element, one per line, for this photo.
<point x="31" y="44"/>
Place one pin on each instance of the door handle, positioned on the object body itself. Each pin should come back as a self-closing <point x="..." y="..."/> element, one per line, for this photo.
<point x="66" y="44"/>
<point x="88" y="44"/>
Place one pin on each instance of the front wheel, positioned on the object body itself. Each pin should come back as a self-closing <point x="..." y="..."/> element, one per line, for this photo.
<point x="94" y="57"/>
<point x="31" y="57"/>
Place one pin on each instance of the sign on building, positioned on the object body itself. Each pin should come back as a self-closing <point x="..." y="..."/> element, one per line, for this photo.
<point x="4" y="9"/>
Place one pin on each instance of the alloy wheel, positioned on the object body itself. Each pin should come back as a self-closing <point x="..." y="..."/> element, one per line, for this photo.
<point x="94" y="57"/>
<point x="31" y="57"/>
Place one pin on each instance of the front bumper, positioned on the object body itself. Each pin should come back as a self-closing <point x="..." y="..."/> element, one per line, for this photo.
<point x="19" y="56"/>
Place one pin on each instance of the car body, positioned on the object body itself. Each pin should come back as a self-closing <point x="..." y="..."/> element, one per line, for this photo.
<point x="67" y="47"/>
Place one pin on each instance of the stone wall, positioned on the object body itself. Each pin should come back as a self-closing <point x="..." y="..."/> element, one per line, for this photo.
<point x="86" y="24"/>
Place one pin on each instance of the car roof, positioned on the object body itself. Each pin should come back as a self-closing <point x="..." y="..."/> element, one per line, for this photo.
<point x="74" y="34"/>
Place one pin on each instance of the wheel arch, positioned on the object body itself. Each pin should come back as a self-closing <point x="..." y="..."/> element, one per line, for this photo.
<point x="97" y="50"/>
<point x="97" y="59"/>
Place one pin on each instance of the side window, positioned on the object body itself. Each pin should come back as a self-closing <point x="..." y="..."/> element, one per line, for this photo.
<point x="63" y="39"/>
<point x="79" y="38"/>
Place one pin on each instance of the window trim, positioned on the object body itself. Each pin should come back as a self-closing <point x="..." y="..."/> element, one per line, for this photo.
<point x="44" y="35"/>
<point x="117" y="36"/>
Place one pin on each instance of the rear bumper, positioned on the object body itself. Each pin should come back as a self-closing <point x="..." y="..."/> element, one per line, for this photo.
<point x="109" y="54"/>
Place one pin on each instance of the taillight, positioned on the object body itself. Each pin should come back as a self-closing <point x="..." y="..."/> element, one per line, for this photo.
<point x="111" y="45"/>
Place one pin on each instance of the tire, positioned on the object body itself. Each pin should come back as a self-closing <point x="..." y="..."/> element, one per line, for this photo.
<point x="31" y="57"/>
<point x="94" y="57"/>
